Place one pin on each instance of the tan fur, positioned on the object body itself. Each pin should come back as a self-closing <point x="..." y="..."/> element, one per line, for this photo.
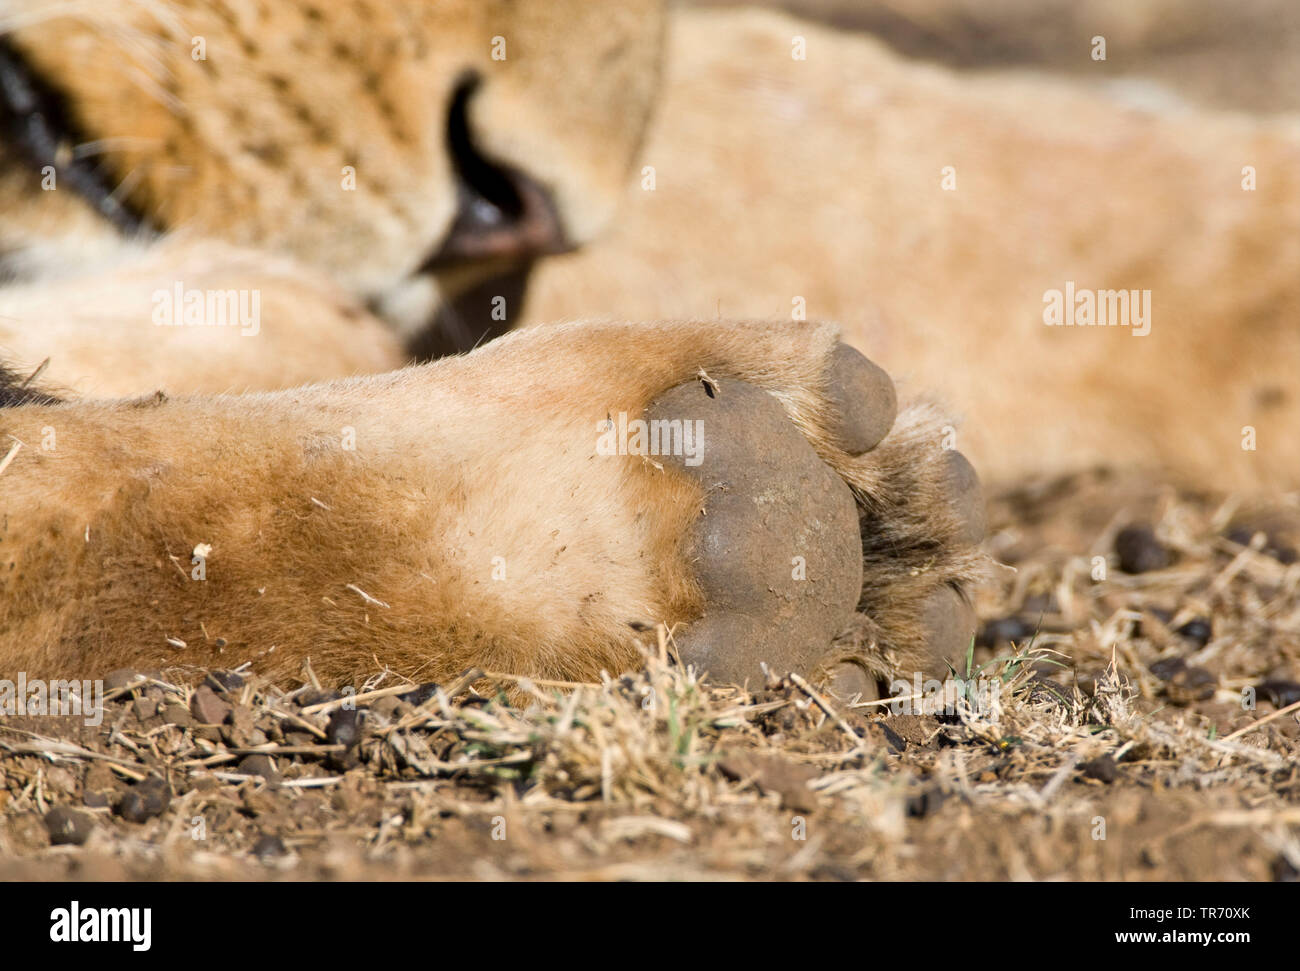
<point x="822" y="176"/>
<point x="96" y="325"/>
<point x="821" y="179"/>
<point x="462" y="468"/>
<point x="775" y="179"/>
<point x="250" y="144"/>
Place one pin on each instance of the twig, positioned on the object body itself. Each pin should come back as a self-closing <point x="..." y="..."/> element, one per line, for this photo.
<point x="13" y="450"/>
<point x="541" y="682"/>
<point x="326" y="780"/>
<point x="287" y="716"/>
<point x="49" y="746"/>
<point x="1267" y="718"/>
<point x="375" y="695"/>
<point x="886" y="701"/>
<point x="40" y="369"/>
<point x="825" y="706"/>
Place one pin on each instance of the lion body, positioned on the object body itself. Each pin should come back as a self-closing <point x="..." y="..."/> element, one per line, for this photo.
<point x="819" y="185"/>
<point x="302" y="160"/>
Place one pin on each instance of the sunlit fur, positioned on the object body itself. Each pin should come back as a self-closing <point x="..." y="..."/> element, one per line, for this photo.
<point x="453" y="514"/>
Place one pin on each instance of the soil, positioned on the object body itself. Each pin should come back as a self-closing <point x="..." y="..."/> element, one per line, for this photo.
<point x="1123" y="745"/>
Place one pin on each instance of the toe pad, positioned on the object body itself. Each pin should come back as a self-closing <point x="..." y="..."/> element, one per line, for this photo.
<point x="863" y="398"/>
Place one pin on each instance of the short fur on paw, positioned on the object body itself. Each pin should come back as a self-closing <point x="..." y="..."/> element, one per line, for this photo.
<point x="850" y="570"/>
<point x="472" y="513"/>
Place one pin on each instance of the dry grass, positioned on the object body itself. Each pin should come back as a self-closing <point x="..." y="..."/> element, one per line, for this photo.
<point x="660" y="774"/>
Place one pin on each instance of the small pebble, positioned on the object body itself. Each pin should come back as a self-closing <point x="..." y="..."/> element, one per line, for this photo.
<point x="1274" y="547"/>
<point x="1139" y="551"/>
<point x="386" y="707"/>
<point x="145" y="800"/>
<point x="207" y="708"/>
<point x="1168" y="667"/>
<point x="1280" y="693"/>
<point x="260" y="765"/>
<point x="179" y="715"/>
<point x="269" y="847"/>
<point x="925" y="803"/>
<point x="224" y="681"/>
<point x="1192" y="684"/>
<point x="344" y="727"/>
<point x="1103" y="769"/>
<point x="314" y="697"/>
<point x="145" y="708"/>
<point x="420" y="695"/>
<point x="1241" y="535"/>
<point x="1196" y="630"/>
<point x="121" y="678"/>
<point x="67" y="826"/>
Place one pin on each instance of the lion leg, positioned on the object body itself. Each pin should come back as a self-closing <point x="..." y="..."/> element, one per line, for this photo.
<point x="505" y="509"/>
<point x="188" y="316"/>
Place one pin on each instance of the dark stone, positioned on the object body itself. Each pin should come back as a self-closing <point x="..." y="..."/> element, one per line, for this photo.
<point x="225" y="682"/>
<point x="269" y="847"/>
<point x="207" y="708"/>
<point x="1196" y="630"/>
<point x="260" y="765"/>
<point x="121" y="678"/>
<point x="145" y="800"/>
<point x="418" y="696"/>
<point x="344" y="727"/>
<point x="1280" y="693"/>
<point x="68" y="827"/>
<point x="1167" y="668"/>
<point x="1103" y="769"/>
<point x="1139" y="551"/>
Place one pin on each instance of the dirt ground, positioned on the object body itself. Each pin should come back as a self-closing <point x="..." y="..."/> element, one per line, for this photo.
<point x="1144" y="642"/>
<point x="1119" y="746"/>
